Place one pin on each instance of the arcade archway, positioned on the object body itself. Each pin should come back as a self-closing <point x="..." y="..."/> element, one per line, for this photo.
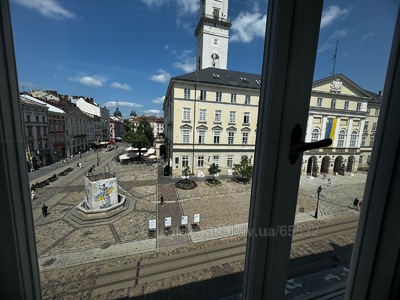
<point x="325" y="164"/>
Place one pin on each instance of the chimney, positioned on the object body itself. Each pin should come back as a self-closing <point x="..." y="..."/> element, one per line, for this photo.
<point x="380" y="94"/>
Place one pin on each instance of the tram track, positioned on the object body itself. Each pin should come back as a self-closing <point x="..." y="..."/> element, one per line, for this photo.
<point x="148" y="270"/>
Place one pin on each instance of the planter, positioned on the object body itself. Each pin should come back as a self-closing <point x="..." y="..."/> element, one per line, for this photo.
<point x="186" y="184"/>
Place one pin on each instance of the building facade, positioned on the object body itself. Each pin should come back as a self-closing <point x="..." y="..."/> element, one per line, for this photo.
<point x="338" y="110"/>
<point x="210" y="116"/>
<point x="35" y="116"/>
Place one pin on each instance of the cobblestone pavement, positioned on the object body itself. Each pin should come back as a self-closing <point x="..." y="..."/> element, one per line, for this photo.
<point x="65" y="248"/>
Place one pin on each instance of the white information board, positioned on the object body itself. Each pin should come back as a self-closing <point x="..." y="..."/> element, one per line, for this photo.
<point x="152" y="224"/>
<point x="196" y="218"/>
<point x="184" y="220"/>
<point x="167" y="222"/>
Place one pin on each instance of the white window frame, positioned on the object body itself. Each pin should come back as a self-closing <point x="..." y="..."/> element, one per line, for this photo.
<point x="346" y="105"/>
<point x="363" y="140"/>
<point x="203" y="95"/>
<point x="247" y="99"/>
<point x="184" y="161"/>
<point x="229" y="161"/>
<point x="201" y="136"/>
<point x="319" y="102"/>
<point x="217" y="136"/>
<point x="218" y="116"/>
<point x="233" y="98"/>
<point x="200" y="161"/>
<point x="246" y="117"/>
<point x="353" y="139"/>
<point x="333" y="103"/>
<point x="218" y="96"/>
<point x="245" y="137"/>
<point x="315" y="135"/>
<point x="341" y="142"/>
<point x="231" y="137"/>
<point x="203" y="115"/>
<point x="366" y="125"/>
<point x="358" y="106"/>
<point x="216" y="160"/>
<point x="232" y="117"/>
<point x="186" y="93"/>
<point x="186" y="114"/>
<point x="186" y="136"/>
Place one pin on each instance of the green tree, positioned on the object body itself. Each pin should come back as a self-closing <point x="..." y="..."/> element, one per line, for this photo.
<point x="244" y="169"/>
<point x="214" y="170"/>
<point x="141" y="136"/>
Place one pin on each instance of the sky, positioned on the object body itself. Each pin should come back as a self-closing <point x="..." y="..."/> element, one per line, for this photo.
<point x="123" y="53"/>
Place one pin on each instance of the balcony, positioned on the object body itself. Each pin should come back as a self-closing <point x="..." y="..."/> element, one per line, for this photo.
<point x="212" y="20"/>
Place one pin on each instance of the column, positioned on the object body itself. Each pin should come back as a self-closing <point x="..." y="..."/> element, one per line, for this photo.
<point x="349" y="130"/>
<point x="309" y="128"/>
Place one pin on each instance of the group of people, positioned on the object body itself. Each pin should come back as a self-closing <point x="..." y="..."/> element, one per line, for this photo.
<point x="357" y="204"/>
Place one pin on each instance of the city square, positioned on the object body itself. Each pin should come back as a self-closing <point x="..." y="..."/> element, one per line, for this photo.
<point x="63" y="242"/>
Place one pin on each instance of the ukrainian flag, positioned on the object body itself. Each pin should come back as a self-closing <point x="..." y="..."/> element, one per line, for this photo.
<point x="330" y="129"/>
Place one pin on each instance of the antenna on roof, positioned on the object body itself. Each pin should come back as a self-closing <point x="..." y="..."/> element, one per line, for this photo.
<point x="334" y="58"/>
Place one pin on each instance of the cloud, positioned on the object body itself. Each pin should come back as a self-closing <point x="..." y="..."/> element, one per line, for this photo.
<point x="121" y="86"/>
<point x="162" y="77"/>
<point x="247" y="26"/>
<point x="121" y="103"/>
<point x="324" y="47"/>
<point x="48" y="8"/>
<point x="152" y="112"/>
<point x="187" y="7"/>
<point x="153" y="3"/>
<point x="332" y="13"/>
<point x="187" y="62"/>
<point x="93" y="81"/>
<point x="368" y="35"/>
<point x="159" y="100"/>
<point x="340" y="33"/>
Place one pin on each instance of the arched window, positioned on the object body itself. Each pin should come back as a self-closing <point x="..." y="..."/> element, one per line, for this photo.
<point x="353" y="139"/>
<point x="315" y="135"/>
<point x="341" y="138"/>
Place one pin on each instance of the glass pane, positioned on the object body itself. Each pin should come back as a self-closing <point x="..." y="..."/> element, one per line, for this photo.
<point x="333" y="179"/>
<point x="187" y="239"/>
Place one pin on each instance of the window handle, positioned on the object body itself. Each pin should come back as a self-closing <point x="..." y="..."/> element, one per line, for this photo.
<point x="297" y="146"/>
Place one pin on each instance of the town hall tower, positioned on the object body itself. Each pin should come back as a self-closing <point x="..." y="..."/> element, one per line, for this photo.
<point x="212" y="35"/>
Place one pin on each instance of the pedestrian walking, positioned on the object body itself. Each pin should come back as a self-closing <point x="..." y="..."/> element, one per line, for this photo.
<point x="44" y="210"/>
<point x="329" y="181"/>
<point x="359" y="205"/>
<point x="335" y="260"/>
<point x="355" y="203"/>
<point x="162" y="199"/>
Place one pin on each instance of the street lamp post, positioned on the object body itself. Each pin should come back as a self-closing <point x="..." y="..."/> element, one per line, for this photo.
<point x="98" y="159"/>
<point x="316" y="210"/>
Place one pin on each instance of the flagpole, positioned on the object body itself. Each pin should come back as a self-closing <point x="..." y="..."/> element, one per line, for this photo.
<point x="334" y="58"/>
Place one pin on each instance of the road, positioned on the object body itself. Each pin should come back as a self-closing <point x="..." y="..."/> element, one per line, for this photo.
<point x="115" y="258"/>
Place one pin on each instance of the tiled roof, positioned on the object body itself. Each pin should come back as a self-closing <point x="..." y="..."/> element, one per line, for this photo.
<point x="223" y="77"/>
